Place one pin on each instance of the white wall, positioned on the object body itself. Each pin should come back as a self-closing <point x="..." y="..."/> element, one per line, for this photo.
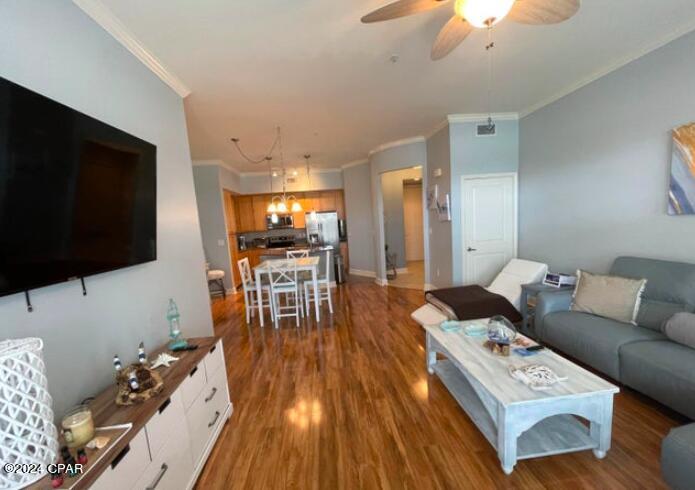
<point x="358" y="210"/>
<point x="56" y="50"/>
<point x="594" y="171"/>
<point x="394" y="217"/>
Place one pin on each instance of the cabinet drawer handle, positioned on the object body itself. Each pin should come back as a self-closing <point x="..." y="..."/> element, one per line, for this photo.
<point x="214" y="421"/>
<point x="164" y="405"/>
<point x="160" y="475"/>
<point x="193" y="371"/>
<point x="120" y="456"/>
<point x="212" y="349"/>
<point x="212" y="395"/>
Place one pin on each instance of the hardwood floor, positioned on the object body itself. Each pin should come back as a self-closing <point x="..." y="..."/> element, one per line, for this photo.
<point x="348" y="404"/>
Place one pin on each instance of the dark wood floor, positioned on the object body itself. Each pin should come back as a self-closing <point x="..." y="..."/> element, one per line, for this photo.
<point x="348" y="404"/>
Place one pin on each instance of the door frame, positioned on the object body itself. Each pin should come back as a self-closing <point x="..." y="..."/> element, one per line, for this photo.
<point x="515" y="227"/>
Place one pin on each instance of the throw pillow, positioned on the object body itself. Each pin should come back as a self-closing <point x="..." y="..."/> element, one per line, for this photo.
<point x="681" y="328"/>
<point x="617" y="298"/>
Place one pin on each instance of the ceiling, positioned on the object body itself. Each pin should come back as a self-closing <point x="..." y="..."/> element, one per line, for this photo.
<point x="311" y="67"/>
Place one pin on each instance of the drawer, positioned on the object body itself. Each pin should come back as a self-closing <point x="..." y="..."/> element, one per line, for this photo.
<point x="165" y="422"/>
<point x="127" y="467"/>
<point x="193" y="385"/>
<point x="214" y="360"/>
<point x="172" y="468"/>
<point x="207" y="413"/>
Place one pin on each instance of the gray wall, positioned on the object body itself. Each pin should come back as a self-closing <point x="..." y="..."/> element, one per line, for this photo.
<point x="471" y="154"/>
<point x="440" y="262"/>
<point x="595" y="166"/>
<point x="211" y="213"/>
<point x="394" y="219"/>
<point x="55" y="49"/>
<point x="395" y="158"/>
<point x="358" y="210"/>
<point x="318" y="181"/>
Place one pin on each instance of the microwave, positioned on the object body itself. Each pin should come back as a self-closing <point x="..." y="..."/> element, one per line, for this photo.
<point x="281" y="221"/>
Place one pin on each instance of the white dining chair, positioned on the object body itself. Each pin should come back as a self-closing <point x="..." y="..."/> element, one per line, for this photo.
<point x="302" y="276"/>
<point x="251" y="302"/>
<point x="284" y="282"/>
<point x="324" y="283"/>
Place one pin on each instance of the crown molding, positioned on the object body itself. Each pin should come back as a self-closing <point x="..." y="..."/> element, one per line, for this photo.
<point x="441" y="125"/>
<point x="111" y="24"/>
<point x="642" y="51"/>
<point x="469" y="118"/>
<point x="355" y="163"/>
<point x="397" y="143"/>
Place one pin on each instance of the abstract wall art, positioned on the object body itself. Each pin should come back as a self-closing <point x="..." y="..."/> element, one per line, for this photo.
<point x="681" y="195"/>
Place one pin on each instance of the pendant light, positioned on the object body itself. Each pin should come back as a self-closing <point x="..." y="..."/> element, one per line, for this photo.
<point x="312" y="215"/>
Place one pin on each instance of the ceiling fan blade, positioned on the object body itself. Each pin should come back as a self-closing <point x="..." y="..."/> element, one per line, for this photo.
<point x="451" y="35"/>
<point x="401" y="8"/>
<point x="543" y="11"/>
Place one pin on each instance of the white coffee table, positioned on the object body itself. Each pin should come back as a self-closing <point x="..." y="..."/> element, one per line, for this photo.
<point x="519" y="422"/>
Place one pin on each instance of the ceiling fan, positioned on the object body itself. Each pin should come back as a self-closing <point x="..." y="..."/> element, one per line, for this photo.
<point x="470" y="14"/>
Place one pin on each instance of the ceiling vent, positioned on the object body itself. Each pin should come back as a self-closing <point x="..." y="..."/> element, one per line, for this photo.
<point x="486" y="130"/>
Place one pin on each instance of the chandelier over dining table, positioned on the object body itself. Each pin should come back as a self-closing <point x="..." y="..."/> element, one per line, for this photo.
<point x="280" y="203"/>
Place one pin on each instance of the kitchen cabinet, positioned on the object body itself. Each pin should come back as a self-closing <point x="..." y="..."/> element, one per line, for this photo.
<point x="299" y="221"/>
<point x="230" y="212"/>
<point x="327" y="201"/>
<point x="245" y="213"/>
<point x="260" y="210"/>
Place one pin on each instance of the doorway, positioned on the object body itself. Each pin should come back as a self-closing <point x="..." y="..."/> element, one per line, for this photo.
<point x="489" y="212"/>
<point x="402" y="194"/>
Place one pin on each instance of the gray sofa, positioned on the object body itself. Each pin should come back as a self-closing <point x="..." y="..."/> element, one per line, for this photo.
<point x="640" y="356"/>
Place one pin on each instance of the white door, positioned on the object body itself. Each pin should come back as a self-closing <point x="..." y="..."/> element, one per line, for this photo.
<point x="412" y="214"/>
<point x="489" y="226"/>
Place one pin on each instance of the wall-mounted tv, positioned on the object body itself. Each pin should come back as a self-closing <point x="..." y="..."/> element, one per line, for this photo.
<point x="77" y="196"/>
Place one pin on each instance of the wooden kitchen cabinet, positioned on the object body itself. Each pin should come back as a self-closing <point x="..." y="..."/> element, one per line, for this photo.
<point x="299" y="221"/>
<point x="345" y="252"/>
<point x="327" y="201"/>
<point x="245" y="213"/>
<point x="260" y="210"/>
<point x="340" y="204"/>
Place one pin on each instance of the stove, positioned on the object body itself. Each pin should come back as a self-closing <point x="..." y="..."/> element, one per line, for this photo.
<point x="281" y="241"/>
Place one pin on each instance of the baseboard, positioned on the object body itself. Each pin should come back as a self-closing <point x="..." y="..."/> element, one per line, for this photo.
<point x="402" y="270"/>
<point x="430" y="287"/>
<point x="231" y="291"/>
<point x="381" y="282"/>
<point x="359" y="272"/>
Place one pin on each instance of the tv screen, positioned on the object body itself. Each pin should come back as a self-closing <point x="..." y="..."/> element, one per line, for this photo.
<point x="77" y="196"/>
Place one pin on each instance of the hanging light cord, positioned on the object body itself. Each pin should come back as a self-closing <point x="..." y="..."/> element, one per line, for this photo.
<point x="491" y="74"/>
<point x="282" y="161"/>
<point x="265" y="157"/>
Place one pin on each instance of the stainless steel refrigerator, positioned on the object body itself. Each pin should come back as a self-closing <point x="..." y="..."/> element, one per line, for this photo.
<point x="322" y="230"/>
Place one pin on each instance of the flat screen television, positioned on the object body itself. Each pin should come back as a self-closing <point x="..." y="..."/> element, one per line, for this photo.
<point x="77" y="196"/>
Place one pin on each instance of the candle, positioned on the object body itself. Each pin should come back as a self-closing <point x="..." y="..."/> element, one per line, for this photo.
<point x="78" y="426"/>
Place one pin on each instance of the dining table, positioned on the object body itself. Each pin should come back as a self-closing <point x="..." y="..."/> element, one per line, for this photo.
<point x="303" y="264"/>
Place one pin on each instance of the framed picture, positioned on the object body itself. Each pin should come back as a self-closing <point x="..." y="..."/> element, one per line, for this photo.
<point x="432" y="196"/>
<point x="444" y="208"/>
<point x="681" y="193"/>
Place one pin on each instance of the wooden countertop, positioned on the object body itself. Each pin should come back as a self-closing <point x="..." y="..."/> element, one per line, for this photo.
<point x="106" y="412"/>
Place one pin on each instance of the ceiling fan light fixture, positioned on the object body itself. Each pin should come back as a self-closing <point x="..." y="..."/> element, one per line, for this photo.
<point x="483" y="13"/>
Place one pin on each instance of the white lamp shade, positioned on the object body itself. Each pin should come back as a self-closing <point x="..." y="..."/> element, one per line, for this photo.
<point x="27" y="433"/>
<point x="282" y="207"/>
<point x="296" y="207"/>
<point x="479" y="12"/>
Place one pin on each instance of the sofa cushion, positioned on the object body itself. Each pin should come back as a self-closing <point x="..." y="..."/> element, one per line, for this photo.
<point x="668" y="282"/>
<point x="592" y="339"/>
<point x="654" y="314"/>
<point x="662" y="370"/>
<point x="680" y="328"/>
<point x="677" y="457"/>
